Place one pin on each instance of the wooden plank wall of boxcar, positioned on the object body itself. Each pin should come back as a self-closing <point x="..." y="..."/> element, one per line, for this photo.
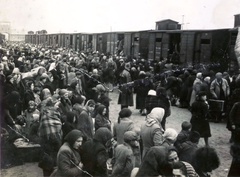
<point x="143" y="44"/>
<point x="127" y="44"/>
<point x="94" y="42"/>
<point x="135" y="42"/>
<point x="187" y="45"/>
<point x="220" y="45"/>
<point x="104" y="42"/>
<point x="158" y="46"/>
<point x="111" y="42"/>
<point x="165" y="45"/>
<point x="84" y="42"/>
<point x="151" y="46"/>
<point x="232" y="42"/>
<point x="99" y="43"/>
<point x="206" y="46"/>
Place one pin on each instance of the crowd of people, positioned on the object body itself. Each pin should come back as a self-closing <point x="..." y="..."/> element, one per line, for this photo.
<point x="59" y="98"/>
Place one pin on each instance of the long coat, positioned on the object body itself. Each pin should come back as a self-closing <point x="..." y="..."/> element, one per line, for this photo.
<point x="64" y="158"/>
<point x="120" y="128"/>
<point x="199" y="118"/>
<point x="187" y="151"/>
<point x="155" y="162"/>
<point x="196" y="88"/>
<point x="141" y="88"/>
<point x="151" y="135"/>
<point x="94" y="157"/>
<point x="126" y="95"/>
<point x="123" y="161"/>
<point x="215" y="89"/>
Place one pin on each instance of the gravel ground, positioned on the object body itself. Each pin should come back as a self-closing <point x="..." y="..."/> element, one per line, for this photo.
<point x="219" y="140"/>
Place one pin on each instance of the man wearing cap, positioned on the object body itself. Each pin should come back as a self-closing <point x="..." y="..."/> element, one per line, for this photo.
<point x="124" y="161"/>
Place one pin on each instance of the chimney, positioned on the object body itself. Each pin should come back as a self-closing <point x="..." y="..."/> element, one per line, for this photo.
<point x="237" y="20"/>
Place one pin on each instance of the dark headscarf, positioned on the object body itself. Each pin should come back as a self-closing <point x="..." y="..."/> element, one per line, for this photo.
<point x="100" y="109"/>
<point x="103" y="135"/>
<point x="154" y="162"/>
<point x="72" y="136"/>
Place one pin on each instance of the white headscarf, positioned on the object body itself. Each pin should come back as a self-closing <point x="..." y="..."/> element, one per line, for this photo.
<point x="170" y="133"/>
<point x="156" y="115"/>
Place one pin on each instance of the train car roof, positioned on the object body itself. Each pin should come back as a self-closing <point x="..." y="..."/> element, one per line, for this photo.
<point x="181" y="31"/>
<point x="166" y="20"/>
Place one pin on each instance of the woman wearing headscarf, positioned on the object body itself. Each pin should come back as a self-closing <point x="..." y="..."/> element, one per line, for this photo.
<point x="45" y="96"/>
<point x="94" y="152"/>
<point x="124" y="124"/>
<point x="28" y="94"/>
<point x="151" y="130"/>
<point x="31" y="115"/>
<point x="154" y="163"/>
<point x="124" y="161"/>
<point x="70" y="123"/>
<point x="196" y="88"/>
<point x="65" y="104"/>
<point x="68" y="157"/>
<point x="85" y="122"/>
<point x="170" y="136"/>
<point x="101" y="119"/>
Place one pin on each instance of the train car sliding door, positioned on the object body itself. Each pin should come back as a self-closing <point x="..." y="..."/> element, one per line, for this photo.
<point x="174" y="47"/>
<point x="187" y="46"/>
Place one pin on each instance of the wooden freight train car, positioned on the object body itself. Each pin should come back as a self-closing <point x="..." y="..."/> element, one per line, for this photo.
<point x="136" y="44"/>
<point x="188" y="45"/>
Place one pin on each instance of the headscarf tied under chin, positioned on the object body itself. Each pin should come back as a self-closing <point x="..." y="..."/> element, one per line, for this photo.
<point x="103" y="135"/>
<point x="170" y="134"/>
<point x="72" y="136"/>
<point x="155" y="116"/>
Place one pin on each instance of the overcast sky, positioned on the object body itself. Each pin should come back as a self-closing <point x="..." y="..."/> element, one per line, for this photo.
<point x="117" y="15"/>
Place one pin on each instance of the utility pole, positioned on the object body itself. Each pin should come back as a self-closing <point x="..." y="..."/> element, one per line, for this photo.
<point x="182" y="22"/>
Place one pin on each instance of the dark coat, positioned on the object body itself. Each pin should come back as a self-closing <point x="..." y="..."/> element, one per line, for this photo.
<point x="28" y="95"/>
<point x="182" y="137"/>
<point x="141" y="88"/>
<point x="205" y="87"/>
<point x="10" y="109"/>
<point x="120" y="128"/>
<point x="187" y="151"/>
<point x="126" y="95"/>
<point x="94" y="153"/>
<point x="102" y="121"/>
<point x="85" y="124"/>
<point x="123" y="161"/>
<point x="151" y="102"/>
<point x="199" y="118"/>
<point x="65" y="155"/>
<point x="155" y="162"/>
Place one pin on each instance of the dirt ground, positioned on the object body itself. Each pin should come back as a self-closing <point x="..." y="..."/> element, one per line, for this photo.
<point x="219" y="140"/>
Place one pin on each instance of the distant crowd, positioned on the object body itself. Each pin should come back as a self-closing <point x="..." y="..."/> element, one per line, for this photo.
<point x="59" y="98"/>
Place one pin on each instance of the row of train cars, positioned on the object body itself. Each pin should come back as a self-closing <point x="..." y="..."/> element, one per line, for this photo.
<point x="182" y="46"/>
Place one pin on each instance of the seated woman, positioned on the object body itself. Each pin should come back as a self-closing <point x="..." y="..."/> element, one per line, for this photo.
<point x="68" y="158"/>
